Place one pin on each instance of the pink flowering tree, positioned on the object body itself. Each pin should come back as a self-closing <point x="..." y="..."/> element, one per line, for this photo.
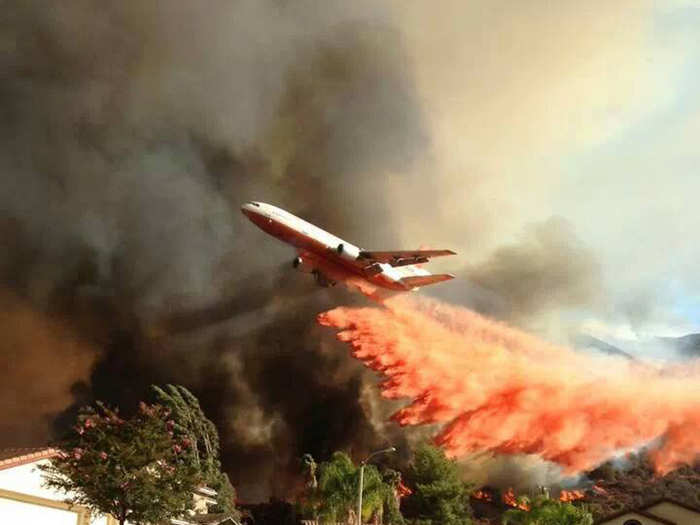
<point x="136" y="469"/>
<point x="195" y="429"/>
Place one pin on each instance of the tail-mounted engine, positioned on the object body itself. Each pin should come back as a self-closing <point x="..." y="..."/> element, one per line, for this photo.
<point x="348" y="252"/>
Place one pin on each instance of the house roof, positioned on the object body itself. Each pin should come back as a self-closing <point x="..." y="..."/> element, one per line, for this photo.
<point x="206" y="491"/>
<point x="643" y="511"/>
<point x="206" y="519"/>
<point x="655" y="502"/>
<point x="214" y="519"/>
<point x="657" y="519"/>
<point x="14" y="457"/>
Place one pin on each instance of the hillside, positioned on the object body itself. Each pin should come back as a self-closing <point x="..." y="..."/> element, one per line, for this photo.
<point x="635" y="483"/>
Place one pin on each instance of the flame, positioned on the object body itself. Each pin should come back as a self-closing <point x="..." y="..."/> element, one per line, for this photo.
<point x="403" y="490"/>
<point x="571" y="495"/>
<point x="599" y="490"/>
<point x="498" y="389"/>
<point x="510" y="500"/>
<point x="482" y="495"/>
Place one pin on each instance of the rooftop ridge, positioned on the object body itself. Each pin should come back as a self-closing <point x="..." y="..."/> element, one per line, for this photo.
<point x="14" y="457"/>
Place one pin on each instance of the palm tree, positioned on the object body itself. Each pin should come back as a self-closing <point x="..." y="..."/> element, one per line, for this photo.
<point x="337" y="490"/>
<point x="310" y="466"/>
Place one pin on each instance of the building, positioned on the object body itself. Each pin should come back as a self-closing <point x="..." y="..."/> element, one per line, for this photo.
<point x="23" y="499"/>
<point x="659" y="512"/>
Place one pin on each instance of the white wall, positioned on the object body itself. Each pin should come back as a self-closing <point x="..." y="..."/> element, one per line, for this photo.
<point x="27" y="479"/>
<point x="20" y="513"/>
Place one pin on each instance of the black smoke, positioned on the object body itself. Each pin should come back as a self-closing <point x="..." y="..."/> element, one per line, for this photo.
<point x="131" y="132"/>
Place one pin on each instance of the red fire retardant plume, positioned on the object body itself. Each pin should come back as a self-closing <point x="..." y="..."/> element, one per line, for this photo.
<point x="498" y="389"/>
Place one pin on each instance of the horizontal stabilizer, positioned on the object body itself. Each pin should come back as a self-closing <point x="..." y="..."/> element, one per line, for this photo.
<point x="404" y="257"/>
<point x="424" y="280"/>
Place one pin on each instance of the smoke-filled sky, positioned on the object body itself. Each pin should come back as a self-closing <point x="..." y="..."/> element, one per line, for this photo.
<point x="550" y="143"/>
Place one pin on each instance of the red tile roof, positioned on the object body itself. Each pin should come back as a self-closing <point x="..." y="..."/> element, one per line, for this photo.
<point x="13" y="457"/>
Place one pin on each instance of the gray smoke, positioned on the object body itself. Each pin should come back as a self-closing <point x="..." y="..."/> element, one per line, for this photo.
<point x="547" y="269"/>
<point x="131" y="134"/>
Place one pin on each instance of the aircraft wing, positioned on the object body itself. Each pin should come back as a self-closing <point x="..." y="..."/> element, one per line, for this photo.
<point x="404" y="257"/>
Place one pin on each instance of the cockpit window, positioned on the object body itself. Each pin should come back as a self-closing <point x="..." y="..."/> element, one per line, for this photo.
<point x="255" y="204"/>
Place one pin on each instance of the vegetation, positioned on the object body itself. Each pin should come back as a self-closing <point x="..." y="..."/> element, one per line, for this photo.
<point x="192" y="426"/>
<point x="144" y="468"/>
<point x="135" y="469"/>
<point x="545" y="511"/>
<point x="632" y="482"/>
<point x="333" y="497"/>
<point x="439" y="497"/>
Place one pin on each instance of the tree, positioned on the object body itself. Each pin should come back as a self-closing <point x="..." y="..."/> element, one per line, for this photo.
<point x="334" y="498"/>
<point x="309" y="502"/>
<point x="546" y="511"/>
<point x="439" y="497"/>
<point x="392" y="503"/>
<point x="310" y="467"/>
<point x="192" y="425"/>
<point x="135" y="469"/>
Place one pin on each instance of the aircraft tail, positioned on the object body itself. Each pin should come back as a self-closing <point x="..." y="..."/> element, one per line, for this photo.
<point x="424" y="280"/>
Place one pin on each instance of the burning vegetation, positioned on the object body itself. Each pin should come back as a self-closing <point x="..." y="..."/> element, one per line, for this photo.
<point x="482" y="495"/>
<point x="516" y="503"/>
<point x="629" y="482"/>
<point x="571" y="495"/>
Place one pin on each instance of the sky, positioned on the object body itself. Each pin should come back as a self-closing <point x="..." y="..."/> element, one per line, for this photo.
<point x="589" y="114"/>
<point x="632" y="196"/>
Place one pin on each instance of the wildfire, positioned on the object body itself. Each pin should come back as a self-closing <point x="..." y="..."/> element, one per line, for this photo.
<point x="510" y="500"/>
<point x="482" y="495"/>
<point x="403" y="490"/>
<point x="571" y="495"/>
<point x="497" y="389"/>
<point x="599" y="490"/>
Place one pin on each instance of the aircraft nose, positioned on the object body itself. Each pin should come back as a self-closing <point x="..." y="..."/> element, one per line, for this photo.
<point x="251" y="209"/>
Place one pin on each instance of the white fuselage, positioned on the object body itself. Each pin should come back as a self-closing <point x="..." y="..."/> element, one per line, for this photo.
<point x="324" y="249"/>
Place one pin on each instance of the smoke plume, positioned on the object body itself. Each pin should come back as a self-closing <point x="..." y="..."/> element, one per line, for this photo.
<point x="132" y="131"/>
<point x="548" y="269"/>
<point x="499" y="390"/>
<point x="131" y="134"/>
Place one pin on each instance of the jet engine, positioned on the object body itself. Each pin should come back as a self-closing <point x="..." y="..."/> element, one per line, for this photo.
<point x="348" y="251"/>
<point x="302" y="265"/>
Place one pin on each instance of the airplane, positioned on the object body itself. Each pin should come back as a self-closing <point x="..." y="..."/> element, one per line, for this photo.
<point x="331" y="259"/>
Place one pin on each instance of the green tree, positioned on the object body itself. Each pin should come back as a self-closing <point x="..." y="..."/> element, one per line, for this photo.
<point x="135" y="469"/>
<point x="392" y="512"/>
<point x="335" y="497"/>
<point x="440" y="496"/>
<point x="192" y="426"/>
<point x="546" y="511"/>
